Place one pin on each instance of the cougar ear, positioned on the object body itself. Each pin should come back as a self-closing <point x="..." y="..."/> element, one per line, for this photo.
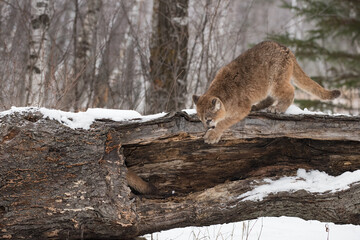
<point x="195" y="98"/>
<point x="216" y="102"/>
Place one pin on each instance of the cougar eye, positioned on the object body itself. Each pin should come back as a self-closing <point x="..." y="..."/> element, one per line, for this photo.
<point x="208" y="121"/>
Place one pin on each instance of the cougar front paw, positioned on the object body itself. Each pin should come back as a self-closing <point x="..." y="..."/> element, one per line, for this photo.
<point x="274" y="109"/>
<point x="212" y="136"/>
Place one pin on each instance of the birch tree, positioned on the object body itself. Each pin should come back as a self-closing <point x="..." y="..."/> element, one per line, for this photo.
<point x="39" y="38"/>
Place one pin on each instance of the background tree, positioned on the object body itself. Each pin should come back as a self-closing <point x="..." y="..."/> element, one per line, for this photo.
<point x="85" y="52"/>
<point x="38" y="47"/>
<point x="333" y="40"/>
<point x="168" y="55"/>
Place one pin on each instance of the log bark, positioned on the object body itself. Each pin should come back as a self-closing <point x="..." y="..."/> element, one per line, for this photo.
<point x="71" y="184"/>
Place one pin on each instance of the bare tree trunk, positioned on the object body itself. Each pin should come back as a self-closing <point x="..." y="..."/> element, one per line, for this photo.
<point x="70" y="184"/>
<point x="168" y="56"/>
<point x="14" y="54"/>
<point x="40" y="20"/>
<point x="85" y="55"/>
<point x="140" y="93"/>
<point x="100" y="87"/>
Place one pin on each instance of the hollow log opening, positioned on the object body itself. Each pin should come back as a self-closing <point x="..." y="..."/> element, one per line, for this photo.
<point x="175" y="166"/>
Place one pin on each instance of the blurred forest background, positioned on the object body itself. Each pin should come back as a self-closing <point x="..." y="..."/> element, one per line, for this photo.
<point x="152" y="55"/>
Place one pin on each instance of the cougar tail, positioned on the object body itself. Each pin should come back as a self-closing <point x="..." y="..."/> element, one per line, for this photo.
<point x="138" y="184"/>
<point x="305" y="83"/>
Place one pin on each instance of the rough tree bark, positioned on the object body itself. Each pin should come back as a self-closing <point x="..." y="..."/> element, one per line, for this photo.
<point x="69" y="184"/>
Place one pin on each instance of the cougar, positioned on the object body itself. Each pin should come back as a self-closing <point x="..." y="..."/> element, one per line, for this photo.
<point x="257" y="79"/>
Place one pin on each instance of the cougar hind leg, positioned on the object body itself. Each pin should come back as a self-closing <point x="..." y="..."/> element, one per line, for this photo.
<point x="283" y="92"/>
<point x="284" y="98"/>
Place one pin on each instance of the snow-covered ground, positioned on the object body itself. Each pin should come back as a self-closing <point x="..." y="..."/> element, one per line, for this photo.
<point x="263" y="228"/>
<point x="266" y="228"/>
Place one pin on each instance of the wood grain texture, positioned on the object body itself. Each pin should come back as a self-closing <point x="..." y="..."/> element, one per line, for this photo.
<point x="60" y="183"/>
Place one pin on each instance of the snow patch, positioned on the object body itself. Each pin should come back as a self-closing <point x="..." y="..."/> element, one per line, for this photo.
<point x="295" y="110"/>
<point x="313" y="181"/>
<point x="189" y="111"/>
<point x="83" y="120"/>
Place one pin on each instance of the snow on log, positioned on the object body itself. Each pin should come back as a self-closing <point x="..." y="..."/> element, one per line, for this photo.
<point x="65" y="175"/>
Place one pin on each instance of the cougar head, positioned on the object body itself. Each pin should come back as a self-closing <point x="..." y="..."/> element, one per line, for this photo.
<point x="210" y="110"/>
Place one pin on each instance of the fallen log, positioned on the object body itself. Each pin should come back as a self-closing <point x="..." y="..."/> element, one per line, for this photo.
<point x="57" y="182"/>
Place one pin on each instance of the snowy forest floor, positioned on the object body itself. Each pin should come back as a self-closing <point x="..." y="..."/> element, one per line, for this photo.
<point x="266" y="228"/>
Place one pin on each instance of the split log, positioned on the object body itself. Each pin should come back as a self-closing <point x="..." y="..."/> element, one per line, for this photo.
<point x="60" y="183"/>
